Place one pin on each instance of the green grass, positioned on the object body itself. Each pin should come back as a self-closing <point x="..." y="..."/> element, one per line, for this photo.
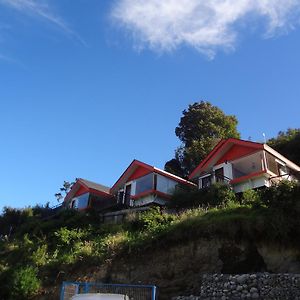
<point x="75" y="242"/>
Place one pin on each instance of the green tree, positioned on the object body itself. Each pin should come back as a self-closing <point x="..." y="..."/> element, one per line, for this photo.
<point x="288" y="144"/>
<point x="200" y="128"/>
<point x="64" y="190"/>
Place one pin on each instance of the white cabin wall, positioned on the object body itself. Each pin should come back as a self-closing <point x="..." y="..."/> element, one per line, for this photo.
<point x="251" y="184"/>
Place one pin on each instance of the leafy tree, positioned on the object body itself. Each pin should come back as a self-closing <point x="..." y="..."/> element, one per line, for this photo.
<point x="200" y="128"/>
<point x="288" y="144"/>
<point x="64" y="190"/>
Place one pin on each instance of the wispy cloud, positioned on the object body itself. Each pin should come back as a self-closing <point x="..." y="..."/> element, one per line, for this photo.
<point x="207" y="25"/>
<point x="41" y="9"/>
<point x="9" y="60"/>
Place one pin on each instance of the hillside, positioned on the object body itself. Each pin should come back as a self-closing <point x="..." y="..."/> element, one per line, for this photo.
<point x="204" y="232"/>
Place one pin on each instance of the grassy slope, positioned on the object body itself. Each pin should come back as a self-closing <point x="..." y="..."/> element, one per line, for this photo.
<point x="73" y="241"/>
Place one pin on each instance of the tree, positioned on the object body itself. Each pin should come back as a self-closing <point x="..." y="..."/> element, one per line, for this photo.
<point x="288" y="144"/>
<point x="200" y="128"/>
<point x="64" y="190"/>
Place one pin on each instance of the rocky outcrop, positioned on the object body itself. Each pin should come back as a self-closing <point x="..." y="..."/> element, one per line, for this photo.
<point x="178" y="269"/>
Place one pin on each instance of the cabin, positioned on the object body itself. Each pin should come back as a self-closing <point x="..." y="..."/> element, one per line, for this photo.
<point x="142" y="184"/>
<point x="244" y="165"/>
<point x="86" y="194"/>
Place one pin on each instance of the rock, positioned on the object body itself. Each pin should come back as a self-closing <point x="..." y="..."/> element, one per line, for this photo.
<point x="253" y="290"/>
<point x="241" y="279"/>
<point x="239" y="288"/>
<point x="255" y="296"/>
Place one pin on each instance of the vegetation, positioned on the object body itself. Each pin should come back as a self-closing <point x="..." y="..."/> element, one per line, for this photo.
<point x="64" y="190"/>
<point x="34" y="251"/>
<point x="288" y="144"/>
<point x="200" y="128"/>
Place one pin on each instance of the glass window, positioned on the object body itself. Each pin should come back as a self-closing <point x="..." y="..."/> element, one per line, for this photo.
<point x="121" y="196"/>
<point x="165" y="185"/>
<point x="82" y="201"/>
<point x="282" y="169"/>
<point x="206" y="181"/>
<point x="272" y="164"/>
<point x="144" y="184"/>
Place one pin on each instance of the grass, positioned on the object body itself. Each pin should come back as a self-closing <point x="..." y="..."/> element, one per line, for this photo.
<point x="75" y="241"/>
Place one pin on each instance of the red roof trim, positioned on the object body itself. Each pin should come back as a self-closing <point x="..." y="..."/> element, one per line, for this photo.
<point x="79" y="183"/>
<point x="71" y="190"/>
<point x="246" y="177"/>
<point x="151" y="169"/>
<point x="216" y="150"/>
<point x="135" y="162"/>
<point x="149" y="192"/>
<point x="208" y="157"/>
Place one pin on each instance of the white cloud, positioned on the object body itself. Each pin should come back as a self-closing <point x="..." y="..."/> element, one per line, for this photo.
<point x="207" y="25"/>
<point x="41" y="9"/>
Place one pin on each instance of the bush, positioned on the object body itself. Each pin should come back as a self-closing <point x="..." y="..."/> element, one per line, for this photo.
<point x="25" y="283"/>
<point x="152" y="220"/>
<point x="40" y="255"/>
<point x="216" y="195"/>
<point x="285" y="196"/>
<point x="251" y="197"/>
<point x="67" y="236"/>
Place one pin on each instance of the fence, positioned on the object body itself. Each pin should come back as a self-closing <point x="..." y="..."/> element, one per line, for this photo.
<point x="134" y="292"/>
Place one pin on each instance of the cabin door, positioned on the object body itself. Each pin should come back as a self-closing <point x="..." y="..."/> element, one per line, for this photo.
<point x="127" y="194"/>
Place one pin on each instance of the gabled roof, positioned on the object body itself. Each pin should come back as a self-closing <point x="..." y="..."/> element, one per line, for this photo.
<point x="135" y="165"/>
<point x="94" y="186"/>
<point x="220" y="149"/>
<point x="90" y="186"/>
<point x="225" y="145"/>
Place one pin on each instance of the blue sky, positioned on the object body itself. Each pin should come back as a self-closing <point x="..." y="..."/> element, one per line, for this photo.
<point x="87" y="86"/>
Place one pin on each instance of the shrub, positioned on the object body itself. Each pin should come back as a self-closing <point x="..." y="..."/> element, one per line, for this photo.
<point x="12" y="218"/>
<point x="285" y="196"/>
<point x="40" y="255"/>
<point x="152" y="220"/>
<point x="216" y="195"/>
<point x="250" y="197"/>
<point x="68" y="236"/>
<point x="25" y="283"/>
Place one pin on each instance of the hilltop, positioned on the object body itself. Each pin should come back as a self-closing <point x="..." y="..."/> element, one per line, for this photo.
<point x="167" y="247"/>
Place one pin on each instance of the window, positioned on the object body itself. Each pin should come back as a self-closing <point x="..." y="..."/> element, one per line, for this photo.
<point x="272" y="164"/>
<point x="81" y="201"/>
<point x="206" y="182"/>
<point x="121" y="196"/>
<point x="219" y="174"/>
<point x="282" y="169"/>
<point x="144" y="184"/>
<point x="165" y="185"/>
